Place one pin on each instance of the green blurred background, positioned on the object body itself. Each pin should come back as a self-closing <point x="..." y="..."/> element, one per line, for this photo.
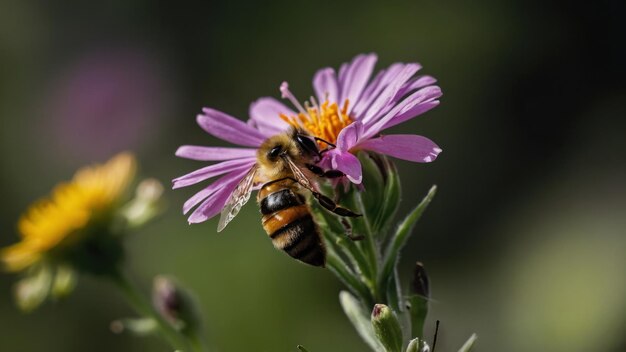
<point x="525" y="242"/>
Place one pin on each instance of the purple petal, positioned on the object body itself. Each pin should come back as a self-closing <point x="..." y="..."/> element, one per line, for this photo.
<point x="215" y="202"/>
<point x="213" y="153"/>
<point x="325" y="84"/>
<point x="348" y="164"/>
<point x="372" y="91"/>
<point x="409" y="114"/>
<point x="404" y="146"/>
<point x="265" y="113"/>
<point x="211" y="171"/>
<point x="408" y="108"/>
<point x="356" y="77"/>
<point x="349" y="136"/>
<point x="228" y="128"/>
<point x="414" y="84"/>
<point x="388" y="93"/>
<point x="210" y="189"/>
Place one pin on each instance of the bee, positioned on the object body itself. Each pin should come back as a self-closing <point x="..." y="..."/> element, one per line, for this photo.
<point x="285" y="169"/>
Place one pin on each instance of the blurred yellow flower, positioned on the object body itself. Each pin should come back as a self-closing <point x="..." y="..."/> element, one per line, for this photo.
<point x="59" y="221"/>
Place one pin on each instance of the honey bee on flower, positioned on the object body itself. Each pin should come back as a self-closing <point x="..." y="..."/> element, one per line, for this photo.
<point x="348" y="113"/>
<point x="351" y="109"/>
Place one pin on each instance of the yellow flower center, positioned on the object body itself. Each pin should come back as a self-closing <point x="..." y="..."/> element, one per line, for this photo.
<point x="325" y="121"/>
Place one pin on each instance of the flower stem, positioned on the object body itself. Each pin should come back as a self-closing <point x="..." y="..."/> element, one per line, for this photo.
<point x="197" y="342"/>
<point x="370" y="245"/>
<point x="143" y="307"/>
<point x="334" y="264"/>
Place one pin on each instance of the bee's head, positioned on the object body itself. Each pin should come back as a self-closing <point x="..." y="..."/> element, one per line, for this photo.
<point x="274" y="152"/>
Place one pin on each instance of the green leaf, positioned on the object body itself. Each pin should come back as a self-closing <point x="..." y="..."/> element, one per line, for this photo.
<point x="381" y="193"/>
<point x="401" y="236"/>
<point x="390" y="198"/>
<point x="345" y="275"/>
<point x="418" y="300"/>
<point x="360" y="319"/>
<point x="374" y="185"/>
<point x="467" y="346"/>
<point x="392" y="292"/>
<point x="387" y="328"/>
<point x="335" y="236"/>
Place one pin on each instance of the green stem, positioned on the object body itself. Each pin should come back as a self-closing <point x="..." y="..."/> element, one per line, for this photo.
<point x="143" y="307"/>
<point x="370" y="245"/>
<point x="197" y="342"/>
<point x="346" y="246"/>
<point x="340" y="270"/>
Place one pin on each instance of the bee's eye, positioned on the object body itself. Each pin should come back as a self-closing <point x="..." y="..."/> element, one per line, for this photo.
<point x="274" y="152"/>
<point x="307" y="144"/>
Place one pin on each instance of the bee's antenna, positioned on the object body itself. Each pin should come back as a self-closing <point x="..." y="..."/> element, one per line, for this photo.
<point x="435" y="338"/>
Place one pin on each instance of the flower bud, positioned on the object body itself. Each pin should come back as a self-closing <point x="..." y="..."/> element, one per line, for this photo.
<point x="64" y="281"/>
<point x="420" y="285"/>
<point x="146" y="204"/>
<point x="387" y="328"/>
<point x="32" y="291"/>
<point x="417" y="345"/>
<point x="175" y="305"/>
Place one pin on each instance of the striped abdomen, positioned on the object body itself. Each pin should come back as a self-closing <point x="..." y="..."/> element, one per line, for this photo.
<point x="288" y="221"/>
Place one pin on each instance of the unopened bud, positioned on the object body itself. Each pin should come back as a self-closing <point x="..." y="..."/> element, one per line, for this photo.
<point x="420" y="284"/>
<point x="174" y="304"/>
<point x="417" y="345"/>
<point x="31" y="291"/>
<point x="64" y="281"/>
<point x="387" y="328"/>
<point x="146" y="204"/>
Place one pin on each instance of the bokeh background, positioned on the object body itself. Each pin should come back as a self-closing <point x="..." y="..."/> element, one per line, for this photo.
<point x="525" y="242"/>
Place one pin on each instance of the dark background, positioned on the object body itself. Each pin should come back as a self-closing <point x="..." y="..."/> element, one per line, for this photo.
<point x="524" y="242"/>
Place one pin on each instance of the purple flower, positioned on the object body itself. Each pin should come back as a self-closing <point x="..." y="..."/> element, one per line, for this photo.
<point x="350" y="110"/>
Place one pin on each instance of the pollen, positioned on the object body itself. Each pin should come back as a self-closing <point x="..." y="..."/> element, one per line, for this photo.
<point x="325" y="121"/>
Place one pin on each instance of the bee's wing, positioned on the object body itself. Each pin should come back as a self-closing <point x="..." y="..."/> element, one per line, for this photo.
<point x="238" y="198"/>
<point x="302" y="179"/>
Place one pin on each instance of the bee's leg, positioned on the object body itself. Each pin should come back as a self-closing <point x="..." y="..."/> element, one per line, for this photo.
<point x="332" y="206"/>
<point x="330" y="145"/>
<point x="349" y="234"/>
<point x="318" y="139"/>
<point x="321" y="173"/>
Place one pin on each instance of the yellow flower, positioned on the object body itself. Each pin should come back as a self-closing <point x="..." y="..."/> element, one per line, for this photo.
<point x="59" y="222"/>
